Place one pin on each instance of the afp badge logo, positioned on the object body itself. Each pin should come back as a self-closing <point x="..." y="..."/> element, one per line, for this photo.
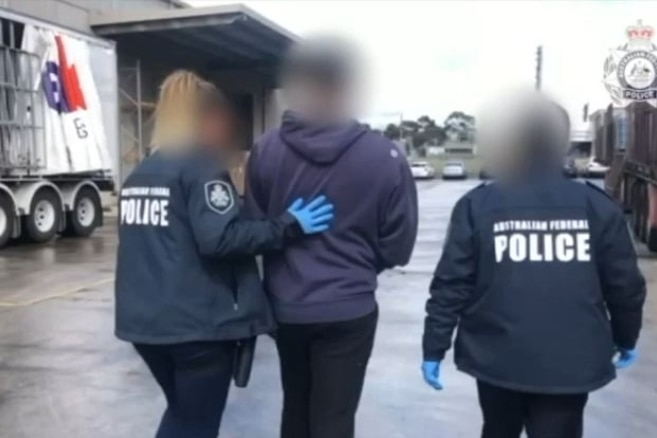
<point x="631" y="69"/>
<point x="219" y="196"/>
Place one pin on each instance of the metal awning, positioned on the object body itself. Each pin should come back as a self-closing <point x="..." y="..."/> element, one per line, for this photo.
<point x="217" y="38"/>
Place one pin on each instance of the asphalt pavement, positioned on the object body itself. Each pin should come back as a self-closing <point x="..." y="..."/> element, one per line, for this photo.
<point x="64" y="375"/>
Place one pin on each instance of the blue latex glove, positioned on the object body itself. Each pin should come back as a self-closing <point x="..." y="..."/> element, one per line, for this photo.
<point x="626" y="358"/>
<point x="314" y="217"/>
<point x="431" y="373"/>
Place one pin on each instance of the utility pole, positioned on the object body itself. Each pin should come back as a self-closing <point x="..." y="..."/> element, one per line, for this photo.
<point x="539" y="66"/>
<point x="585" y="112"/>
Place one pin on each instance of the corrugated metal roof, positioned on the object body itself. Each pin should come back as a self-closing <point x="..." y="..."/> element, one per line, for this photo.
<point x="223" y="37"/>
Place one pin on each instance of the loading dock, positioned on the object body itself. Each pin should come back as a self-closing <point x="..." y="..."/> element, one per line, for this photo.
<point x="231" y="45"/>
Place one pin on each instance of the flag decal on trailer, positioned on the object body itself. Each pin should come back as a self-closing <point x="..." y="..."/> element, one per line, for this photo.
<point x="69" y="79"/>
<point x="62" y="84"/>
<point x="64" y="94"/>
<point x="74" y="138"/>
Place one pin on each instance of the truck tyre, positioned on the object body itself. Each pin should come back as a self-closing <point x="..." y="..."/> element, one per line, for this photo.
<point x="6" y="219"/>
<point x="85" y="215"/>
<point x="45" y="215"/>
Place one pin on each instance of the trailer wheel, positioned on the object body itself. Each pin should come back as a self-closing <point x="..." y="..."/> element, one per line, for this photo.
<point x="84" y="218"/>
<point x="43" y="221"/>
<point x="6" y="219"/>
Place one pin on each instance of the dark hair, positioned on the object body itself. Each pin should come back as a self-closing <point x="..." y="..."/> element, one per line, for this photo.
<point x="563" y="113"/>
<point x="541" y="134"/>
<point x="326" y="60"/>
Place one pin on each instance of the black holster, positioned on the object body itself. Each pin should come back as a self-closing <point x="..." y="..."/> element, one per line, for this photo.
<point x="244" y="361"/>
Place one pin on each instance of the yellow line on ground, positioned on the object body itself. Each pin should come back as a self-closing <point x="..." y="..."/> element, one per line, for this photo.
<point x="65" y="294"/>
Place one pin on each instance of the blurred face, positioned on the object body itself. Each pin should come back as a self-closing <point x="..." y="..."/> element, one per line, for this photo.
<point x="318" y="102"/>
<point x="507" y="126"/>
<point x="218" y="128"/>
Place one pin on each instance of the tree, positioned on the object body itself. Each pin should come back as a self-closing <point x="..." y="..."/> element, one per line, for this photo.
<point x="392" y="132"/>
<point x="417" y="134"/>
<point x="460" y="126"/>
<point x="427" y="132"/>
<point x="435" y="135"/>
<point x="426" y="122"/>
<point x="409" y="127"/>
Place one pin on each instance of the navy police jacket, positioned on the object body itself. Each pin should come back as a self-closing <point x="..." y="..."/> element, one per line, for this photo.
<point x="543" y="283"/>
<point x="185" y="267"/>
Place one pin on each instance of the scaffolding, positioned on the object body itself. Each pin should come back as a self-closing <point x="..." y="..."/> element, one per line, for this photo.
<point x="135" y="114"/>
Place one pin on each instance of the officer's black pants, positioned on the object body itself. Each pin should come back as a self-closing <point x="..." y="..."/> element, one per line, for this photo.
<point x="507" y="412"/>
<point x="323" y="370"/>
<point x="195" y="378"/>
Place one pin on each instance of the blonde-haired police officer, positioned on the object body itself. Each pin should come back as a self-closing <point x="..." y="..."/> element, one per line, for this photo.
<point x="187" y="285"/>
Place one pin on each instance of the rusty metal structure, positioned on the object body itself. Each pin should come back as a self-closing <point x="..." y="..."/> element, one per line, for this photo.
<point x="627" y="143"/>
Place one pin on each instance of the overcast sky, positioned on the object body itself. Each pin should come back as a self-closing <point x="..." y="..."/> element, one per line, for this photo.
<point x="435" y="56"/>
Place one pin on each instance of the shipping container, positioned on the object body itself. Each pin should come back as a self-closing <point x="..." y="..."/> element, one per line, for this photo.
<point x="58" y="124"/>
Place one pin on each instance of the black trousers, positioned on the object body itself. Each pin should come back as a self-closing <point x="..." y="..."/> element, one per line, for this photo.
<point x="507" y="413"/>
<point x="323" y="369"/>
<point x="195" y="379"/>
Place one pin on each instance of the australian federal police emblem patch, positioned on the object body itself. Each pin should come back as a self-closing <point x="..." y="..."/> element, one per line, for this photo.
<point x="631" y="69"/>
<point x="219" y="196"/>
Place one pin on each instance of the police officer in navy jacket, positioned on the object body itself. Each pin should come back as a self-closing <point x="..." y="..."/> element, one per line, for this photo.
<point x="539" y="275"/>
<point x="187" y="285"/>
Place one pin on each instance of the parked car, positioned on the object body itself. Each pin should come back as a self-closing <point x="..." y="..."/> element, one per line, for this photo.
<point x="422" y="170"/>
<point x="569" y="168"/>
<point x="595" y="170"/>
<point x="454" y="170"/>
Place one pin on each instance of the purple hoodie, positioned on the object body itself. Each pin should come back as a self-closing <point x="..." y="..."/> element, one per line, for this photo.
<point x="333" y="276"/>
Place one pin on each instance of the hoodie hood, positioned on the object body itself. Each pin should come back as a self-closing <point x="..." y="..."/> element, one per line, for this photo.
<point x="321" y="144"/>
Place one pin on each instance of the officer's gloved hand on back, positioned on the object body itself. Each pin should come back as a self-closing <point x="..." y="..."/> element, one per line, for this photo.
<point x="626" y="358"/>
<point x="313" y="217"/>
<point x="431" y="373"/>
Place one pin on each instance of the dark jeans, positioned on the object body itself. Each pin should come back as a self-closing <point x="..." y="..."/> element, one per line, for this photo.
<point x="507" y="412"/>
<point x="323" y="369"/>
<point x="195" y="378"/>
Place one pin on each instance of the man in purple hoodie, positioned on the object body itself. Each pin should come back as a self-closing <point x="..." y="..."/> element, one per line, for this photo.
<point x="322" y="288"/>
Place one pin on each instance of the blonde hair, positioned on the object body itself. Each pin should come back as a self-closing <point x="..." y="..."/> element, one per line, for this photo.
<point x="182" y="99"/>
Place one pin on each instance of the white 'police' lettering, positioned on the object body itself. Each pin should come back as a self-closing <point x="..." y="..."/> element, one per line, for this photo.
<point x="145" y="211"/>
<point x="148" y="206"/>
<point x="543" y="247"/>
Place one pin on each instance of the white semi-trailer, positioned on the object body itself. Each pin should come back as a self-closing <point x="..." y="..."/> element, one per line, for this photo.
<point x="58" y="129"/>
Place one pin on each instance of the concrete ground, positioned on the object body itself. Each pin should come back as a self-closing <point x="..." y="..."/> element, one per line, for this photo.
<point x="63" y="375"/>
